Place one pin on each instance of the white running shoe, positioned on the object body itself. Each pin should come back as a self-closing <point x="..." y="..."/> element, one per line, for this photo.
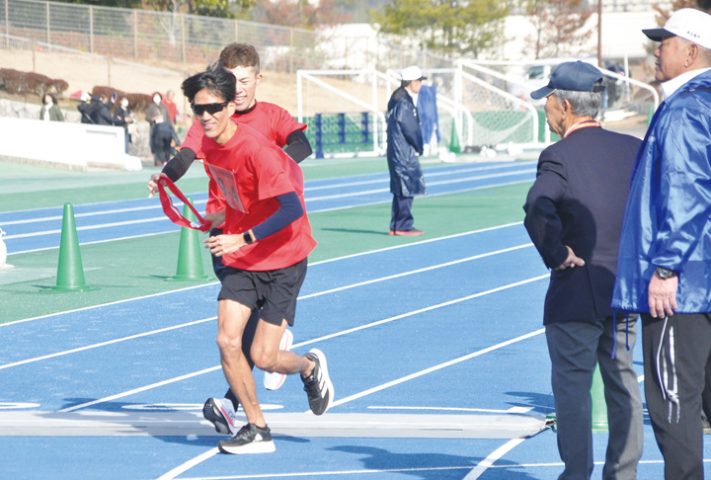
<point x="221" y="413"/>
<point x="274" y="380"/>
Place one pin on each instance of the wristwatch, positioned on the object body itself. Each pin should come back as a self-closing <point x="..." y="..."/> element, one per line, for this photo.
<point x="248" y="239"/>
<point x="664" y="273"/>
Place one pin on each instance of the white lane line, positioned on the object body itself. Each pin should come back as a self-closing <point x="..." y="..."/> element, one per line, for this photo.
<point x="428" y="174"/>
<point x="142" y="389"/>
<point x="301" y="297"/>
<point x="493" y="457"/>
<point x="98" y="226"/>
<point x="106" y="343"/>
<point x="189" y="464"/>
<point x="357" y="473"/>
<point x="108" y="304"/>
<point x="346" y="332"/>
<point x="441" y="182"/>
<point x="518" y="410"/>
<point x="111" y="211"/>
<point x="437" y="367"/>
<point x="488" y="462"/>
<point x="416" y="271"/>
<point x="314" y="264"/>
<point x="310" y="211"/>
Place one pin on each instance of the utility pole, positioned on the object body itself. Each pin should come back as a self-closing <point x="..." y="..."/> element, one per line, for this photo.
<point x="599" y="33"/>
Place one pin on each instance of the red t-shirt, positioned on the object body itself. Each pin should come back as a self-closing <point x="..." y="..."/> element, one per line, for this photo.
<point x="251" y="171"/>
<point x="269" y="119"/>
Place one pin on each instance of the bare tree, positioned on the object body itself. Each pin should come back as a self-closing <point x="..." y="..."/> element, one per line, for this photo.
<point x="560" y="26"/>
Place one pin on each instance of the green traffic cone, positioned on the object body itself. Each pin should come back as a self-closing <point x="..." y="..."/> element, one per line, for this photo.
<point x="454" y="140"/>
<point x="599" y="406"/>
<point x="70" y="272"/>
<point x="189" y="252"/>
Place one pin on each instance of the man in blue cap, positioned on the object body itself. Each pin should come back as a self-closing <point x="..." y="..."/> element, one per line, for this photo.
<point x="574" y="214"/>
<point x="664" y="269"/>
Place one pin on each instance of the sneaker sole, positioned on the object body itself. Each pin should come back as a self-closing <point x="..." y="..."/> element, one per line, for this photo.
<point x="329" y="385"/>
<point x="274" y="381"/>
<point x="250" y="448"/>
<point x="211" y="412"/>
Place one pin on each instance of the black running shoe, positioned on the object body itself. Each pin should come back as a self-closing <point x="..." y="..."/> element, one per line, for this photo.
<point x="318" y="386"/>
<point x="249" y="439"/>
<point x="221" y="413"/>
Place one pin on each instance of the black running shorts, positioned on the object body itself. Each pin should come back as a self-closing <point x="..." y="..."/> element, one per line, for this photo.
<point x="273" y="291"/>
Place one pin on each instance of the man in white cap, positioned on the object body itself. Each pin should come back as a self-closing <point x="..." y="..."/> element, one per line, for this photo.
<point x="664" y="266"/>
<point x="404" y="146"/>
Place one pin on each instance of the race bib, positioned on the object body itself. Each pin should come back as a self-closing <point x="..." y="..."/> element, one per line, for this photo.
<point x="227" y="182"/>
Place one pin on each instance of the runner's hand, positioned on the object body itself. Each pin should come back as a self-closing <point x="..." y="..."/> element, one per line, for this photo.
<point x="153" y="185"/>
<point x="223" y="244"/>
<point x="216" y="218"/>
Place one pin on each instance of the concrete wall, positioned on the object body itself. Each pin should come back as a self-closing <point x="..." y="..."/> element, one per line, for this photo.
<point x="76" y="145"/>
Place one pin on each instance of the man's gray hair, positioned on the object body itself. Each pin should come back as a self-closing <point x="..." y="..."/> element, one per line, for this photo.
<point x="585" y="104"/>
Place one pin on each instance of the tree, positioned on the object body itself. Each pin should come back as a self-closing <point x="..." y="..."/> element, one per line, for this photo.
<point x="302" y="13"/>
<point x="663" y="13"/>
<point x="559" y="26"/>
<point x="465" y="27"/>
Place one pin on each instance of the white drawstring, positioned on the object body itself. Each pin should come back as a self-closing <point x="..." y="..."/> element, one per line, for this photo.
<point x="666" y="372"/>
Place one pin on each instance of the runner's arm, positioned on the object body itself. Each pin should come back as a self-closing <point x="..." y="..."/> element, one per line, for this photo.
<point x="298" y="146"/>
<point x="179" y="164"/>
<point x="289" y="210"/>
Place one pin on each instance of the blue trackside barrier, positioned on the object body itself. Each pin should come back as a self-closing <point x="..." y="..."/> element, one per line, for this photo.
<point x="340" y="133"/>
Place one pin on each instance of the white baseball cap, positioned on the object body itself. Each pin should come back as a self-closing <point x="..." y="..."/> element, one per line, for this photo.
<point x="412" y="73"/>
<point x="688" y="23"/>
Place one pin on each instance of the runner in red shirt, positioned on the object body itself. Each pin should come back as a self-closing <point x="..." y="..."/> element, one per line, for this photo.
<point x="277" y="125"/>
<point x="266" y="240"/>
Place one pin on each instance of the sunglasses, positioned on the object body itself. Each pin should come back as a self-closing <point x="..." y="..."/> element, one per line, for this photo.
<point x="211" y="108"/>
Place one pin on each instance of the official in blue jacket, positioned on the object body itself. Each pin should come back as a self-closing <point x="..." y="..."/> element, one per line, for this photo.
<point x="404" y="146"/>
<point x="664" y="264"/>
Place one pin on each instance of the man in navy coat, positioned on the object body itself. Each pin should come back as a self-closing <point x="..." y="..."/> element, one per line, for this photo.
<point x="574" y="213"/>
<point x="404" y="146"/>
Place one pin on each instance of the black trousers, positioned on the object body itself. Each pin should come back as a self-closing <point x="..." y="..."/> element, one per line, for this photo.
<point x="401" y="214"/>
<point x="676" y="351"/>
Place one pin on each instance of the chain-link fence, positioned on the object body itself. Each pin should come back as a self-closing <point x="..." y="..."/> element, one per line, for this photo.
<point x="152" y="36"/>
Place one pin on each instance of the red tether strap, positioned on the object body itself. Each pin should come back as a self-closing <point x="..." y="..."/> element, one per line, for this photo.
<point x="173" y="213"/>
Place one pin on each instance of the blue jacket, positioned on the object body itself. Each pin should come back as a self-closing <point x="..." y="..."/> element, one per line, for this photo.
<point x="668" y="217"/>
<point x="427" y="109"/>
<point x="404" y="145"/>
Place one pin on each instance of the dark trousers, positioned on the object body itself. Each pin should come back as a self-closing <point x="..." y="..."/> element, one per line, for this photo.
<point x="706" y="397"/>
<point x="574" y="349"/>
<point x="676" y="351"/>
<point x="401" y="214"/>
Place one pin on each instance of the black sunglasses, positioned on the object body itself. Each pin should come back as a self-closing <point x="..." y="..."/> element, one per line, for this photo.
<point x="211" y="108"/>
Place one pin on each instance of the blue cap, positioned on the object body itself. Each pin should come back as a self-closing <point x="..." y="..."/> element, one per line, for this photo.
<point x="575" y="76"/>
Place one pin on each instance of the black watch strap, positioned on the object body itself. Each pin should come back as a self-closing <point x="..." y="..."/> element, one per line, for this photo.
<point x="664" y="273"/>
<point x="248" y="239"/>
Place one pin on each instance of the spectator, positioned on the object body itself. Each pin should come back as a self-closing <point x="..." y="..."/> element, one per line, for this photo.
<point x="50" y="111"/>
<point x="164" y="140"/>
<point x="101" y="114"/>
<point x="86" y="108"/>
<point x="404" y="146"/>
<point x="574" y="215"/>
<point x="664" y="269"/>
<point x="123" y="118"/>
<point x="170" y="107"/>
<point x="156" y="109"/>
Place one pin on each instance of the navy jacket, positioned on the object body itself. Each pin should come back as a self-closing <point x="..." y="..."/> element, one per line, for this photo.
<point x="578" y="199"/>
<point x="404" y="145"/>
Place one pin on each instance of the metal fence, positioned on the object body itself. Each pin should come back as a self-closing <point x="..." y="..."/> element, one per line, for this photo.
<point x="153" y="36"/>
